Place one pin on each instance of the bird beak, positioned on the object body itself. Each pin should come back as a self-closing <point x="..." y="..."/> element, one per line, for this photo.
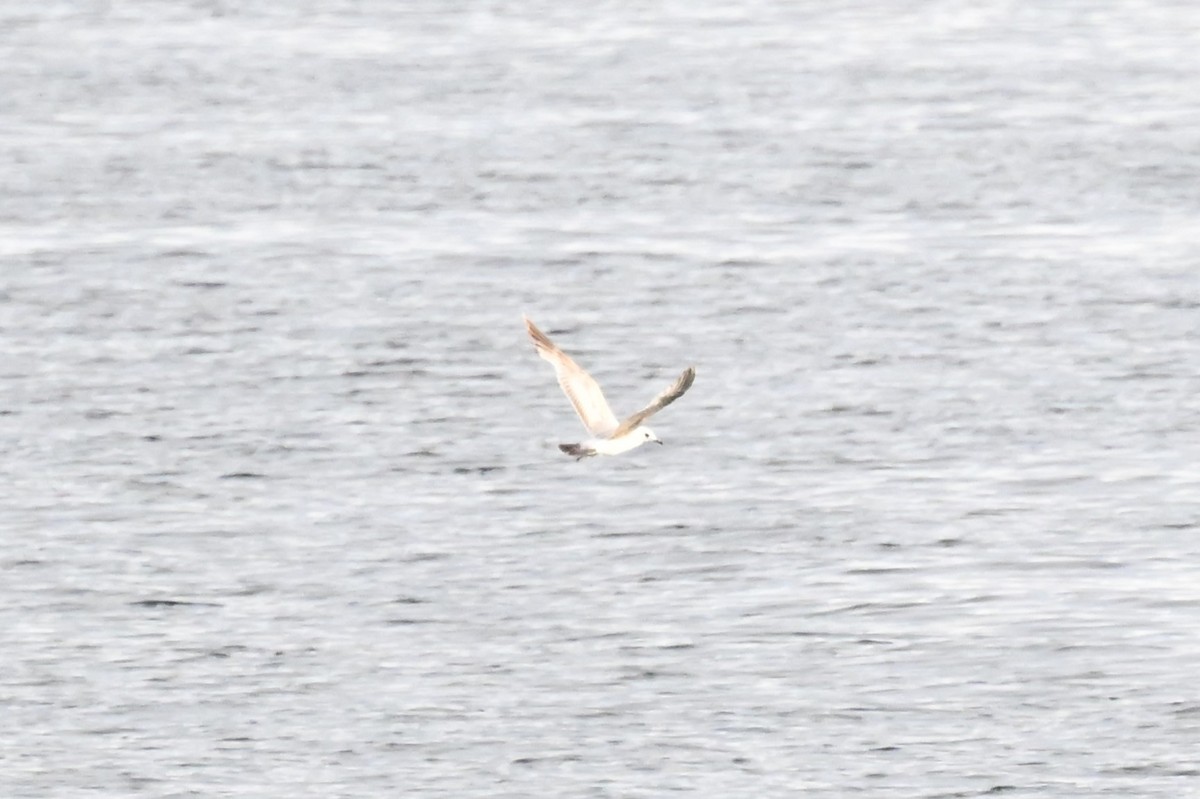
<point x="658" y="441"/>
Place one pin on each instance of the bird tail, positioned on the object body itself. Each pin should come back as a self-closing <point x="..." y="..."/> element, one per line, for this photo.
<point x="577" y="451"/>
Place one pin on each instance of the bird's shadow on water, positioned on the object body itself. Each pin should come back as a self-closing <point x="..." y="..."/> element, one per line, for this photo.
<point x="168" y="604"/>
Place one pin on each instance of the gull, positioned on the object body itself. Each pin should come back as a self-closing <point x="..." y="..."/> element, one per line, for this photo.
<point x="609" y="437"/>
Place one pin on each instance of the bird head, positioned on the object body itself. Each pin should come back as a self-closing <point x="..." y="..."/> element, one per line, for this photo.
<point x="648" y="435"/>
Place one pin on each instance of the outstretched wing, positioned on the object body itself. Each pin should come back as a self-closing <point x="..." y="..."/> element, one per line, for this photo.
<point x="658" y="403"/>
<point x="581" y="389"/>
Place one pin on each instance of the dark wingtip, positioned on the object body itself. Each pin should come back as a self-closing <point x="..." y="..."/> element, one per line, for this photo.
<point x="573" y="449"/>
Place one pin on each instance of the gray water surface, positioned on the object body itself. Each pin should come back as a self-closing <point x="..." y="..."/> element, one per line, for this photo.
<point x="281" y="504"/>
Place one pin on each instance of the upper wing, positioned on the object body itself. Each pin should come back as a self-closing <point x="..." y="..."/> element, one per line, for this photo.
<point x="658" y="403"/>
<point x="581" y="389"/>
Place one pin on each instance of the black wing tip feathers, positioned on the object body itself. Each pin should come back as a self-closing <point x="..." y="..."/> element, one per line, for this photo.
<point x="577" y="451"/>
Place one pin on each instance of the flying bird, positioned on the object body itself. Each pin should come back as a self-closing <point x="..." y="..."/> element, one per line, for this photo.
<point x="609" y="436"/>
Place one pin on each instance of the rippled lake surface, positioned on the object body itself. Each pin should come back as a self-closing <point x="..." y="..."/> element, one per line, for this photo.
<point x="281" y="504"/>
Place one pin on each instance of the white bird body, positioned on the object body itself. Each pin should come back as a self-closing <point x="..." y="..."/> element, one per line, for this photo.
<point x="615" y="446"/>
<point x="609" y="437"/>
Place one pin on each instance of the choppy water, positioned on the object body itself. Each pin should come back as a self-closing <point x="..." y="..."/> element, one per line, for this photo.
<point x="281" y="508"/>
